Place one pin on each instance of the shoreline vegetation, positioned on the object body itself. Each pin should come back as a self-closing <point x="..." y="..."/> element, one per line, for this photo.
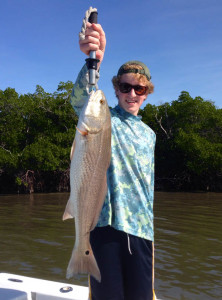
<point x="37" y="131"/>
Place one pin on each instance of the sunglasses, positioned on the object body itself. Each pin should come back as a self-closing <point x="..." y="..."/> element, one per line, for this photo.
<point x="125" y="87"/>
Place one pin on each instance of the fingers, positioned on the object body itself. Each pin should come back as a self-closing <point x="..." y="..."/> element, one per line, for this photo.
<point x="86" y="47"/>
<point x="94" y="40"/>
<point x="93" y="30"/>
<point x="89" y="44"/>
<point x="102" y="36"/>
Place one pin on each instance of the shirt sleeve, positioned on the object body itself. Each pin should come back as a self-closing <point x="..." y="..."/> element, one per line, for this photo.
<point x="81" y="89"/>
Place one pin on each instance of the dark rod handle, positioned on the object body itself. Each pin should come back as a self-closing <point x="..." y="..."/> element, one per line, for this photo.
<point x="92" y="61"/>
<point x="93" y="17"/>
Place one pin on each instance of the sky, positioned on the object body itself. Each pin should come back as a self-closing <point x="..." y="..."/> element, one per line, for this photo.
<point x="179" y="40"/>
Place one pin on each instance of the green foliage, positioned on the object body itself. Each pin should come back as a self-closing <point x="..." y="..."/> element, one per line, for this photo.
<point x="189" y="142"/>
<point x="36" y="131"/>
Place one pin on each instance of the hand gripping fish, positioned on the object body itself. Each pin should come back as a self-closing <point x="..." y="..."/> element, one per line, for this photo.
<point x="90" y="159"/>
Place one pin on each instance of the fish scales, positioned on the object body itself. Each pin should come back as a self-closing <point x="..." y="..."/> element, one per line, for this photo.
<point x="90" y="159"/>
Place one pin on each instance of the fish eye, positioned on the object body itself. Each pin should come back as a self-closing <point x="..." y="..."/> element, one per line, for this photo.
<point x="102" y="101"/>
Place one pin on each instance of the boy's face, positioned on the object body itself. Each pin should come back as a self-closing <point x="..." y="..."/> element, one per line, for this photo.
<point x="130" y="101"/>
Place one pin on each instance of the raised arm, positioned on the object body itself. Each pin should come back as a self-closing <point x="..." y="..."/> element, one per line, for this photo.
<point x="94" y="40"/>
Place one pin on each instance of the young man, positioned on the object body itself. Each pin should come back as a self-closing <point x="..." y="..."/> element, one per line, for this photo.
<point x="122" y="242"/>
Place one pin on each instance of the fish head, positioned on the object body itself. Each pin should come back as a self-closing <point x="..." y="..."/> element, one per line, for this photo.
<point x="95" y="112"/>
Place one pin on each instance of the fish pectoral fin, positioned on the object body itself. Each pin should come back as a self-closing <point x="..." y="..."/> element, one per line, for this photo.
<point x="82" y="132"/>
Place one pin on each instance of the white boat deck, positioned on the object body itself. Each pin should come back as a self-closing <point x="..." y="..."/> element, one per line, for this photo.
<point x="15" y="287"/>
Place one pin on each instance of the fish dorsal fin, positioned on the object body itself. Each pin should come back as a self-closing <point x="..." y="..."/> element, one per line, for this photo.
<point x="72" y="149"/>
<point x="69" y="211"/>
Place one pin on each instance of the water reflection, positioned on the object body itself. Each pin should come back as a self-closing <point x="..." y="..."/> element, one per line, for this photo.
<point x="188" y="241"/>
<point x="187" y="237"/>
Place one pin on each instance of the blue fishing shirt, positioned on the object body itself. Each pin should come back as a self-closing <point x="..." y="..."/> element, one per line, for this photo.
<point x="128" y="205"/>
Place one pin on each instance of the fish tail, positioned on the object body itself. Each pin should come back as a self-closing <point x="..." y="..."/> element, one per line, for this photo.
<point x="83" y="263"/>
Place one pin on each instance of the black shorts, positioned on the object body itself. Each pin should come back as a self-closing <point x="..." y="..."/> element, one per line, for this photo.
<point x="126" y="265"/>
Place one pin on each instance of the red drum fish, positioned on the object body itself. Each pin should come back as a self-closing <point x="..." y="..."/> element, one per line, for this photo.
<point x="90" y="159"/>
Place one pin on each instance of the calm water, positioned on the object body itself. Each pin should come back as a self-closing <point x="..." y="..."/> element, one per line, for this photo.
<point x="188" y="241"/>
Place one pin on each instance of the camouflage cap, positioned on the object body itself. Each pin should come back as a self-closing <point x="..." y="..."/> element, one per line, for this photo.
<point x="145" y="71"/>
